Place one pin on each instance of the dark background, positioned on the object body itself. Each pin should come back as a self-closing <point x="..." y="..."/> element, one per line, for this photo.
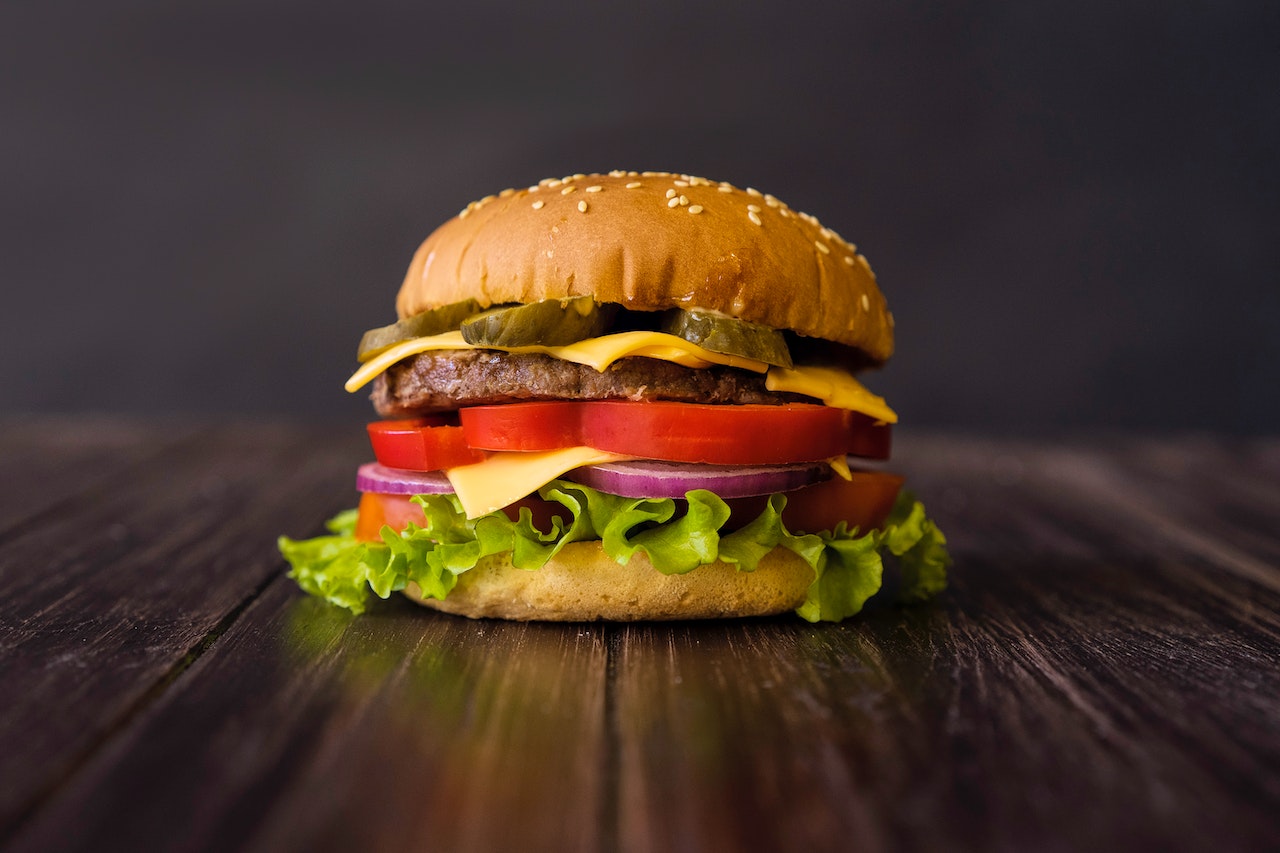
<point x="1071" y="206"/>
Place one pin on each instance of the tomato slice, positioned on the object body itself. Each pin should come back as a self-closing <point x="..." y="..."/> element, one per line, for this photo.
<point x="863" y="501"/>
<point x="421" y="444"/>
<point x="548" y="425"/>
<point x="680" y="432"/>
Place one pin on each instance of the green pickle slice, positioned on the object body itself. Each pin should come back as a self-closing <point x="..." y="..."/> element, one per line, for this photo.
<point x="729" y="336"/>
<point x="434" y="322"/>
<point x="551" y="322"/>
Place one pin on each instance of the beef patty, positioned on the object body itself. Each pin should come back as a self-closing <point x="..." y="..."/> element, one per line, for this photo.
<point x="443" y="380"/>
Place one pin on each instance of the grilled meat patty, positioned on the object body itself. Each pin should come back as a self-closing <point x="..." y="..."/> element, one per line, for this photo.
<point x="449" y="379"/>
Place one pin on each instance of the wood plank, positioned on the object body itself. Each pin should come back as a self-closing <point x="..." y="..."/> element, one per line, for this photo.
<point x="306" y="729"/>
<point x="44" y="461"/>
<point x="1072" y="690"/>
<point x="1209" y="502"/>
<point x="1096" y="677"/>
<point x="106" y="600"/>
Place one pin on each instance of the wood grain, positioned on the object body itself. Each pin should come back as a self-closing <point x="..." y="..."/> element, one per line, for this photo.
<point x="1102" y="675"/>
<point x="46" y="461"/>
<point x="307" y="729"/>
<point x="106" y="599"/>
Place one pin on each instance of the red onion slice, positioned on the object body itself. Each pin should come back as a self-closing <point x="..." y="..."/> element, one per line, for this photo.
<point x="372" y="477"/>
<point x="653" y="479"/>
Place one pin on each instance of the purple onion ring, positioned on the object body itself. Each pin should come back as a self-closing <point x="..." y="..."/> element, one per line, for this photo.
<point x="372" y="477"/>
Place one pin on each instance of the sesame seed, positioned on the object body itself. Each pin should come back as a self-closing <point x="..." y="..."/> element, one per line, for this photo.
<point x="552" y="183"/>
<point x="597" y="188"/>
<point x="754" y="207"/>
<point x="770" y="200"/>
<point x="534" y="188"/>
<point x="633" y="185"/>
<point x="582" y="206"/>
<point x="567" y="190"/>
<point x="785" y="213"/>
<point x="578" y="176"/>
<point x="671" y="193"/>
<point x="546" y="182"/>
<point x="866" y="303"/>
<point x="754" y="217"/>
<point x="848" y="259"/>
<point x="753" y="191"/>
<point x="617" y="173"/>
<point x="551" y="253"/>
<point x="725" y="188"/>
<point x="696" y="208"/>
<point x="537" y="205"/>
<point x="681" y="183"/>
<point x="684" y="201"/>
<point x="675" y="202"/>
<point x="506" y="193"/>
<point x="822" y="247"/>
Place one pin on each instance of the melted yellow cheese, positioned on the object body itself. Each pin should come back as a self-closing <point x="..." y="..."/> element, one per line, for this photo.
<point x="505" y="478"/>
<point x="840" y="464"/>
<point x="598" y="353"/>
<point x="835" y="387"/>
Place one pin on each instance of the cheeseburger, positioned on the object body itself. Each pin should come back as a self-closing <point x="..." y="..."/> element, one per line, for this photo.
<point x="628" y="396"/>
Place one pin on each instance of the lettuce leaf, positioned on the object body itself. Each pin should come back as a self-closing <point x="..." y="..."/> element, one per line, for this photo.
<point x="331" y="567"/>
<point x="847" y="564"/>
<point x="921" y="549"/>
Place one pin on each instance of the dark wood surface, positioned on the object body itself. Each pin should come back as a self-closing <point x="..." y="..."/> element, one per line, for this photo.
<point x="1103" y="674"/>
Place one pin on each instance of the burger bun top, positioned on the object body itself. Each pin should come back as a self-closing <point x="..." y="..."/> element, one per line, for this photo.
<point x="651" y="241"/>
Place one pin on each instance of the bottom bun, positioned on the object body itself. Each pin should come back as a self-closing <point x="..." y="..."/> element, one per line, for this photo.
<point x="582" y="584"/>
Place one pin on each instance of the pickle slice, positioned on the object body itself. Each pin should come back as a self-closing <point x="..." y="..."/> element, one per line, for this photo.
<point x="434" y="322"/>
<point x="729" y="336"/>
<point x="551" y="322"/>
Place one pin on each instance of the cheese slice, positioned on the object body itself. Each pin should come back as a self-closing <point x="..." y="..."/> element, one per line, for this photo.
<point x="595" y="352"/>
<point x="835" y="387"/>
<point x="506" y="477"/>
<point x="840" y="464"/>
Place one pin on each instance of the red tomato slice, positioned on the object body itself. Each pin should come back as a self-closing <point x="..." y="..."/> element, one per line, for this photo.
<point x="680" y="432"/>
<point x="421" y="444"/>
<point x="548" y="425"/>
<point x="863" y="502"/>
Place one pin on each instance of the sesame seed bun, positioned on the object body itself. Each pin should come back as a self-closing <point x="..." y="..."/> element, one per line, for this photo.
<point x="582" y="584"/>
<point x="651" y="241"/>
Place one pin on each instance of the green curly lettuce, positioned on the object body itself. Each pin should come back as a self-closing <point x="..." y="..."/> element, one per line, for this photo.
<point x="847" y="564"/>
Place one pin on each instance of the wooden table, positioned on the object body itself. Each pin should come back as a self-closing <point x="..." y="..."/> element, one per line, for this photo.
<point x="1104" y="673"/>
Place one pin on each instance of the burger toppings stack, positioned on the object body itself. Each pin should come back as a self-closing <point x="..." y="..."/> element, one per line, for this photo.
<point x="628" y="396"/>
